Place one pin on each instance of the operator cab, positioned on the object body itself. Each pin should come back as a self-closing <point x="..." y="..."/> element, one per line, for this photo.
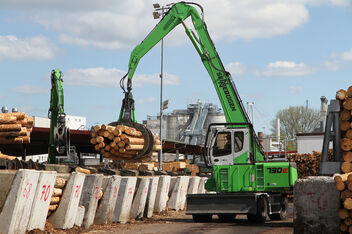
<point x="227" y="146"/>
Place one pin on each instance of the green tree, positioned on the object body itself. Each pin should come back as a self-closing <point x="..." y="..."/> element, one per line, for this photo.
<point x="296" y="119"/>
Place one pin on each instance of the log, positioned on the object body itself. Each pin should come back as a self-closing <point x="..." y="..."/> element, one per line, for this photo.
<point x="341" y="94"/>
<point x="341" y="177"/>
<point x="82" y="170"/>
<point x="96" y="148"/>
<point x="134" y="141"/>
<point x="10" y="127"/>
<point x="93" y="134"/>
<point x="18" y="115"/>
<point x="57" y="192"/>
<point x="8" y="119"/>
<point x="347" y="204"/>
<point x="346" y="144"/>
<point x="106" y="134"/>
<point x="103" y="127"/>
<point x="53" y="207"/>
<point x="348" y="221"/>
<point x="134" y="147"/>
<point x="96" y="128"/>
<point x="101" y="145"/>
<point x="6" y="141"/>
<point x="343" y="213"/>
<point x="133" y="132"/>
<point x="346" y="194"/>
<point x="346" y="167"/>
<point x="93" y="141"/>
<point x="60" y="183"/>
<point x="349" y="134"/>
<point x="54" y="200"/>
<point x="28" y="121"/>
<point x="116" y="132"/>
<point x="349" y="186"/>
<point x="4" y="156"/>
<point x="111" y="136"/>
<point x="350" y="229"/>
<point x="112" y="144"/>
<point x="347" y="156"/>
<point x="25" y="139"/>
<point x="121" y="144"/>
<point x="122" y="128"/>
<point x="157" y="147"/>
<point x="344" y="125"/>
<point x="347" y="103"/>
<point x="349" y="178"/>
<point x="99" y="139"/>
<point x="343" y="227"/>
<point x="345" y="115"/>
<point x="22" y="132"/>
<point x="349" y="91"/>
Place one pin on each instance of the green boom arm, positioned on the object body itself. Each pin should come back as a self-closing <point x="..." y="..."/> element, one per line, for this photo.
<point x="225" y="88"/>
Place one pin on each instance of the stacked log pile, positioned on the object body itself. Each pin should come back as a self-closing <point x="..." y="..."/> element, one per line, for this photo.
<point x="120" y="142"/>
<point x="15" y="128"/>
<point x="307" y="164"/>
<point x="344" y="185"/>
<point x="345" y="98"/>
<point x="57" y="194"/>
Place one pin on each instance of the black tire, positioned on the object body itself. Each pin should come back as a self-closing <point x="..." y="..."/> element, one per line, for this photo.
<point x="262" y="212"/>
<point x="202" y="218"/>
<point x="282" y="215"/>
<point x="227" y="218"/>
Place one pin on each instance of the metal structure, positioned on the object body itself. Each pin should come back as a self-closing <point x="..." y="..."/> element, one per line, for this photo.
<point x="232" y="149"/>
<point x="332" y="133"/>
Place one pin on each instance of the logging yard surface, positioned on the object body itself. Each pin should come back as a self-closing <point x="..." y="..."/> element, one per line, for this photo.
<point x="179" y="222"/>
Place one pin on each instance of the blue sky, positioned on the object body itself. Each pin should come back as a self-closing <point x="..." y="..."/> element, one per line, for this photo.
<point x="280" y="54"/>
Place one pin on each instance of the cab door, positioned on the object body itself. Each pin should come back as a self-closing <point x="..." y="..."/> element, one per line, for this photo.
<point x="229" y="146"/>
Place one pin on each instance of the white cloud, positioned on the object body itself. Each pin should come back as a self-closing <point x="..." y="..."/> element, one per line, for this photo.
<point x="102" y="77"/>
<point x="236" y="68"/>
<point x="34" y="48"/>
<point x="30" y="89"/>
<point x="295" y="89"/>
<point x="347" y="55"/>
<point x="122" y="24"/>
<point x="285" y="68"/>
<point x="146" y="100"/>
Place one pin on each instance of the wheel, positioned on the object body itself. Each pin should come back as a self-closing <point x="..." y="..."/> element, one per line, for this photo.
<point x="262" y="212"/>
<point x="202" y="218"/>
<point x="227" y="218"/>
<point x="282" y="215"/>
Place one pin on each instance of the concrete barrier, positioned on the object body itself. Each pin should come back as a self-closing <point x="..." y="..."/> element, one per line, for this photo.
<point x="316" y="204"/>
<point x="90" y="197"/>
<point x="178" y="197"/>
<point x="65" y="215"/>
<point x="201" y="188"/>
<point x="105" y="211"/>
<point x="193" y="185"/>
<point x="124" y="199"/>
<point x="42" y="200"/>
<point x="162" y="194"/>
<point x="140" y="198"/>
<point x="80" y="216"/>
<point x="153" y="189"/>
<point x="17" y="191"/>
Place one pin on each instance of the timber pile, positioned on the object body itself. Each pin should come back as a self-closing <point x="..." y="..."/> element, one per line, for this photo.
<point x="57" y="194"/>
<point x="120" y="142"/>
<point x="345" y="98"/>
<point x="344" y="185"/>
<point x="167" y="166"/>
<point x="15" y="128"/>
<point x="307" y="164"/>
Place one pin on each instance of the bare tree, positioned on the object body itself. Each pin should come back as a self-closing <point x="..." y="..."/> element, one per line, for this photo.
<point x="296" y="119"/>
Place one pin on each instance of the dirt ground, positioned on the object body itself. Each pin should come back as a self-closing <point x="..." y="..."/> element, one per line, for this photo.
<point x="179" y="222"/>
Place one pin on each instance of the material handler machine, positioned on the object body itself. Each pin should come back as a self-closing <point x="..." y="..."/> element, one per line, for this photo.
<point x="243" y="180"/>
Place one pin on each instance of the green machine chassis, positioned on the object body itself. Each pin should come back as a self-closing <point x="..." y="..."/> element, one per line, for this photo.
<point x="243" y="181"/>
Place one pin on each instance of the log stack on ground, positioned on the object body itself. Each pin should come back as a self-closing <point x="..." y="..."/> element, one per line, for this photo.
<point x="15" y="128"/>
<point x="345" y="97"/>
<point x="57" y="194"/>
<point x="307" y="164"/>
<point x="120" y="142"/>
<point x="344" y="185"/>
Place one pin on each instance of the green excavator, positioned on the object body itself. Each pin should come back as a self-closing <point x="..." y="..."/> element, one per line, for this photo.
<point x="243" y="180"/>
<point x="59" y="139"/>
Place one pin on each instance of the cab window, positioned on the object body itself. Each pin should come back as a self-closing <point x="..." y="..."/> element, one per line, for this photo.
<point x="222" y="145"/>
<point x="238" y="142"/>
